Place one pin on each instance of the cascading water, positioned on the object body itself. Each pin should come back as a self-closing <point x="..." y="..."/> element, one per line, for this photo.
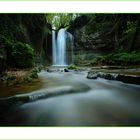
<point x="60" y="48"/>
<point x="70" y="45"/>
<point x="54" y="48"/>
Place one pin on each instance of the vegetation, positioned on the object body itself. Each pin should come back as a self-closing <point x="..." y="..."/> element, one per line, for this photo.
<point x="23" y="55"/>
<point x="26" y="39"/>
<point x="18" y="55"/>
<point x="120" y="58"/>
<point x="72" y="67"/>
<point x="61" y="20"/>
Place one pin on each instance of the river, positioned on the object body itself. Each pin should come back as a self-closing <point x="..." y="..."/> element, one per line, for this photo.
<point x="106" y="103"/>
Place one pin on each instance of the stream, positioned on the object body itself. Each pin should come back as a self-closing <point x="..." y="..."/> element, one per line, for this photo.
<point x="105" y="103"/>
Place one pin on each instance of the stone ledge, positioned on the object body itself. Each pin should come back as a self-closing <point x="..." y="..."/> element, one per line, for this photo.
<point x="132" y="79"/>
<point x="40" y="94"/>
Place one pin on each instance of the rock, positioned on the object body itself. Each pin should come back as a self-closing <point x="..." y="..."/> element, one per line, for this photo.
<point x="50" y="70"/>
<point x="132" y="79"/>
<point x="33" y="73"/>
<point x="92" y="75"/>
<point x="28" y="79"/>
<point x="128" y="79"/>
<point x="66" y="70"/>
<point x="109" y="76"/>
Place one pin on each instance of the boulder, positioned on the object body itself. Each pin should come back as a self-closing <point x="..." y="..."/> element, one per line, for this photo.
<point x="66" y="70"/>
<point x="92" y="75"/>
<point x="132" y="79"/>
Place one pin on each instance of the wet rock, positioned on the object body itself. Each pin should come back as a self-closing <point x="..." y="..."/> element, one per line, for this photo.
<point x="109" y="76"/>
<point x="92" y="75"/>
<point x="66" y="70"/>
<point x="129" y="79"/>
<point x="132" y="79"/>
<point x="33" y="73"/>
<point x="49" y="70"/>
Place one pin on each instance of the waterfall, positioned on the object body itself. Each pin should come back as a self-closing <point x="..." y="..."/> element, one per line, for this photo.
<point x="62" y="48"/>
<point x="54" y="48"/>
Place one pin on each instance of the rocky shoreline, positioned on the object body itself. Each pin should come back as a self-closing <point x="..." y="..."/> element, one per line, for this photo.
<point x="108" y="74"/>
<point x="126" y="78"/>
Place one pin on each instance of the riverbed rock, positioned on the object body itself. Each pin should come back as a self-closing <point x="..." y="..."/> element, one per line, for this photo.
<point x="132" y="79"/>
<point x="92" y="75"/>
<point x="66" y="70"/>
<point x="10" y="78"/>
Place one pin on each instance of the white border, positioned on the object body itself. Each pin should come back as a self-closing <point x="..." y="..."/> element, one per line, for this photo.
<point x="70" y="133"/>
<point x="69" y="6"/>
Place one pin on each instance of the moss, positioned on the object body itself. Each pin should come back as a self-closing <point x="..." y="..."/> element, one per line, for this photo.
<point x="72" y="67"/>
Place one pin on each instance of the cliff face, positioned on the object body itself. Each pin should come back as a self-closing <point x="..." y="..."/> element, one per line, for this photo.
<point x="89" y="46"/>
<point x="39" y="34"/>
<point x="101" y="34"/>
<point x="32" y="29"/>
<point x="89" y="40"/>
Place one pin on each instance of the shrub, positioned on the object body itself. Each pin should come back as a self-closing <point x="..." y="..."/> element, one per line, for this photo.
<point x="23" y="55"/>
<point x="120" y="58"/>
<point x="72" y="67"/>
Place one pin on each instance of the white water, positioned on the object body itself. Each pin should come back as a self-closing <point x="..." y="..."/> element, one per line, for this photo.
<point x="106" y="103"/>
<point x="60" y="44"/>
<point x="54" y="48"/>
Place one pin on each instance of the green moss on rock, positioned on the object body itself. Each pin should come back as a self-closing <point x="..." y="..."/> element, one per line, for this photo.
<point x="72" y="67"/>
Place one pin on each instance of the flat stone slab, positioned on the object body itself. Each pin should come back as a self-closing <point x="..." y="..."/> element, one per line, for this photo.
<point x="40" y="94"/>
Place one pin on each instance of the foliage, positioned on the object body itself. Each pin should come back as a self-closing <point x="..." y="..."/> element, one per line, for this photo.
<point x="131" y="27"/>
<point x="61" y="20"/>
<point x="19" y="54"/>
<point x="23" y="55"/>
<point x="72" y="67"/>
<point x="121" y="58"/>
<point x="7" y="45"/>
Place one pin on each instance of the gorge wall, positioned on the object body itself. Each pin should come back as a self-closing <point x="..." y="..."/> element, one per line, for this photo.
<point x="32" y="29"/>
<point x="101" y="34"/>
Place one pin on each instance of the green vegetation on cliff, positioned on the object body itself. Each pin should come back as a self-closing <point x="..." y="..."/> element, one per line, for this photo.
<point x="102" y="36"/>
<point x="120" y="59"/>
<point x="23" y="55"/>
<point x="24" y="40"/>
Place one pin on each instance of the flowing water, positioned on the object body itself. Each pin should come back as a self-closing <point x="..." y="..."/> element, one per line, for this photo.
<point x="106" y="103"/>
<point x="62" y="44"/>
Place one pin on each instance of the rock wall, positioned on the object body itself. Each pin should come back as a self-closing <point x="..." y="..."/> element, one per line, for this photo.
<point x="27" y="28"/>
<point x="88" y="45"/>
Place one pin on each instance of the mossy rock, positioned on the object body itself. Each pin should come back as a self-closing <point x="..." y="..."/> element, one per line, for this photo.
<point x="72" y="67"/>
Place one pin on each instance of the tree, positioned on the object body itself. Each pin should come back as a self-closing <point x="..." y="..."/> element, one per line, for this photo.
<point x="61" y="20"/>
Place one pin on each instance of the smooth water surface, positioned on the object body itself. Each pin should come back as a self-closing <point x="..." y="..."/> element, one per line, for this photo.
<point x="107" y="103"/>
